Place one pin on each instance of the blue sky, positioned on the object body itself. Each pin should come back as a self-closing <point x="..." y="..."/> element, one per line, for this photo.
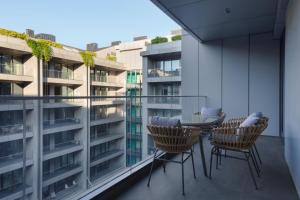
<point x="78" y="22"/>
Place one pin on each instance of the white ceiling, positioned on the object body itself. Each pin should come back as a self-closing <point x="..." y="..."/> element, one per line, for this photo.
<point x="208" y="20"/>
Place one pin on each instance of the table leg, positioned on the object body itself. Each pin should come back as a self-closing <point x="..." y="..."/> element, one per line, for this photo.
<point x="202" y="155"/>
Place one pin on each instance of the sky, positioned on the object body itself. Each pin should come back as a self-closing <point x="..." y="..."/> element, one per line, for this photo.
<point x="78" y="22"/>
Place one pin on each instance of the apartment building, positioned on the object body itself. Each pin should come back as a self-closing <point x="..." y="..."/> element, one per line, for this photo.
<point x="128" y="53"/>
<point x="66" y="145"/>
<point x="162" y="77"/>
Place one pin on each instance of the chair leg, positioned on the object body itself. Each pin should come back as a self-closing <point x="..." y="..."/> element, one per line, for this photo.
<point x="148" y="184"/>
<point x="257" y="153"/>
<point x="164" y="163"/>
<point x="217" y="157"/>
<point x="220" y="156"/>
<point x="250" y="169"/>
<point x="254" y="163"/>
<point x="182" y="173"/>
<point x="192" y="155"/>
<point x="211" y="159"/>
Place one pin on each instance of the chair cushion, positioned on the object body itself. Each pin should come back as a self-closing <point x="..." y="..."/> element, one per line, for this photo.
<point x="165" y="121"/>
<point x="256" y="114"/>
<point x="249" y="121"/>
<point x="210" y="112"/>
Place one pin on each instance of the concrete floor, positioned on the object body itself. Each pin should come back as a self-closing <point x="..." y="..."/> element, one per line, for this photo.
<point x="231" y="181"/>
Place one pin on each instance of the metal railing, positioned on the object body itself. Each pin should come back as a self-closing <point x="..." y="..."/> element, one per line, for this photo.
<point x="60" y="122"/>
<point x="13" y="129"/>
<point x="61" y="145"/>
<point x="60" y="170"/>
<point x="52" y="73"/>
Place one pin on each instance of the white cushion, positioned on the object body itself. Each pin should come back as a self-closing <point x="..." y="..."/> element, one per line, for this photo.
<point x="256" y="114"/>
<point x="210" y="112"/>
<point x="165" y="121"/>
<point x="249" y="121"/>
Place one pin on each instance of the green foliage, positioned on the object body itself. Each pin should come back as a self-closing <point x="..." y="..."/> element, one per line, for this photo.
<point x="88" y="58"/>
<point x="52" y="44"/>
<point x="112" y="58"/>
<point x="176" y="37"/>
<point x="159" y="40"/>
<point x="14" y="34"/>
<point x="40" y="49"/>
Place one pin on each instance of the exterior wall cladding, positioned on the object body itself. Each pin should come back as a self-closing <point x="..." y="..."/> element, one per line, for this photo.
<point x="72" y="145"/>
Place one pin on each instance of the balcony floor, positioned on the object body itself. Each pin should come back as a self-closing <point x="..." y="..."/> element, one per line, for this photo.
<point x="231" y="181"/>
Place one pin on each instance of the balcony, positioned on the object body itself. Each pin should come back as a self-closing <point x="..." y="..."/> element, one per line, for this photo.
<point x="14" y="132"/>
<point x="12" y="162"/>
<point x="14" y="74"/>
<point x="61" y="149"/>
<point x="105" y="138"/>
<point x="12" y="105"/>
<point x="109" y="176"/>
<point x="106" y="81"/>
<point x="57" y="123"/>
<point x="161" y="102"/>
<point x="106" y="118"/>
<point x="61" y="173"/>
<point x="14" y="191"/>
<point x="103" y="157"/>
<point x="60" y="77"/>
<point x="62" y="102"/>
<point x="231" y="181"/>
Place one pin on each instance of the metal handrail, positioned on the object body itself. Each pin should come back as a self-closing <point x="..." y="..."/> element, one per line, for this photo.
<point x="8" y="97"/>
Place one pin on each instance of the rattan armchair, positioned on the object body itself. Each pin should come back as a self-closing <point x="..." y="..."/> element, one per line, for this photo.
<point x="230" y="137"/>
<point x="173" y="140"/>
<point x="235" y="122"/>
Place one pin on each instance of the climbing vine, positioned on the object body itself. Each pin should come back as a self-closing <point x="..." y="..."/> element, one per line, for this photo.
<point x="88" y="58"/>
<point x="111" y="57"/>
<point x="40" y="49"/>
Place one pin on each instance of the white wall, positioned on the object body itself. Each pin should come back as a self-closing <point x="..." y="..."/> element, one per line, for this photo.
<point x="241" y="75"/>
<point x="292" y="95"/>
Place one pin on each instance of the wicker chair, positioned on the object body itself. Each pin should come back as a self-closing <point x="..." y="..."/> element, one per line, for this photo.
<point x="230" y="137"/>
<point x="235" y="122"/>
<point x="173" y="140"/>
<point x="213" y="124"/>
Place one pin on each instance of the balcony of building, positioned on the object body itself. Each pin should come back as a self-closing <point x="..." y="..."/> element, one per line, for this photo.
<point x="62" y="72"/>
<point x="14" y="161"/>
<point x="58" y="125"/>
<point x="14" y="132"/>
<point x="15" y="191"/>
<point x="62" y="148"/>
<point x="61" y="173"/>
<point x="12" y="67"/>
<point x="105" y="156"/>
<point x="106" y="81"/>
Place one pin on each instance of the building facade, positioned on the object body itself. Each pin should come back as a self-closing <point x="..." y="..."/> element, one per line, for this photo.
<point x="161" y="77"/>
<point x="128" y="53"/>
<point x="67" y="145"/>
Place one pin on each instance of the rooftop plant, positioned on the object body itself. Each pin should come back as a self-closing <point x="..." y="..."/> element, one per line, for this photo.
<point x="40" y="49"/>
<point x="14" y="34"/>
<point x="159" y="40"/>
<point x="88" y="58"/>
<point x="176" y="37"/>
<point x="111" y="57"/>
<point x="52" y="44"/>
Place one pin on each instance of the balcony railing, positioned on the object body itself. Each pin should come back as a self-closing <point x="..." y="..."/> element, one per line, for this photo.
<point x="113" y="150"/>
<point x="60" y="170"/>
<point x="13" y="129"/>
<point x="12" y="69"/>
<point x="62" y="145"/>
<point x="164" y="100"/>
<point x="60" y="122"/>
<point x="51" y="73"/>
<point x="162" y="73"/>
